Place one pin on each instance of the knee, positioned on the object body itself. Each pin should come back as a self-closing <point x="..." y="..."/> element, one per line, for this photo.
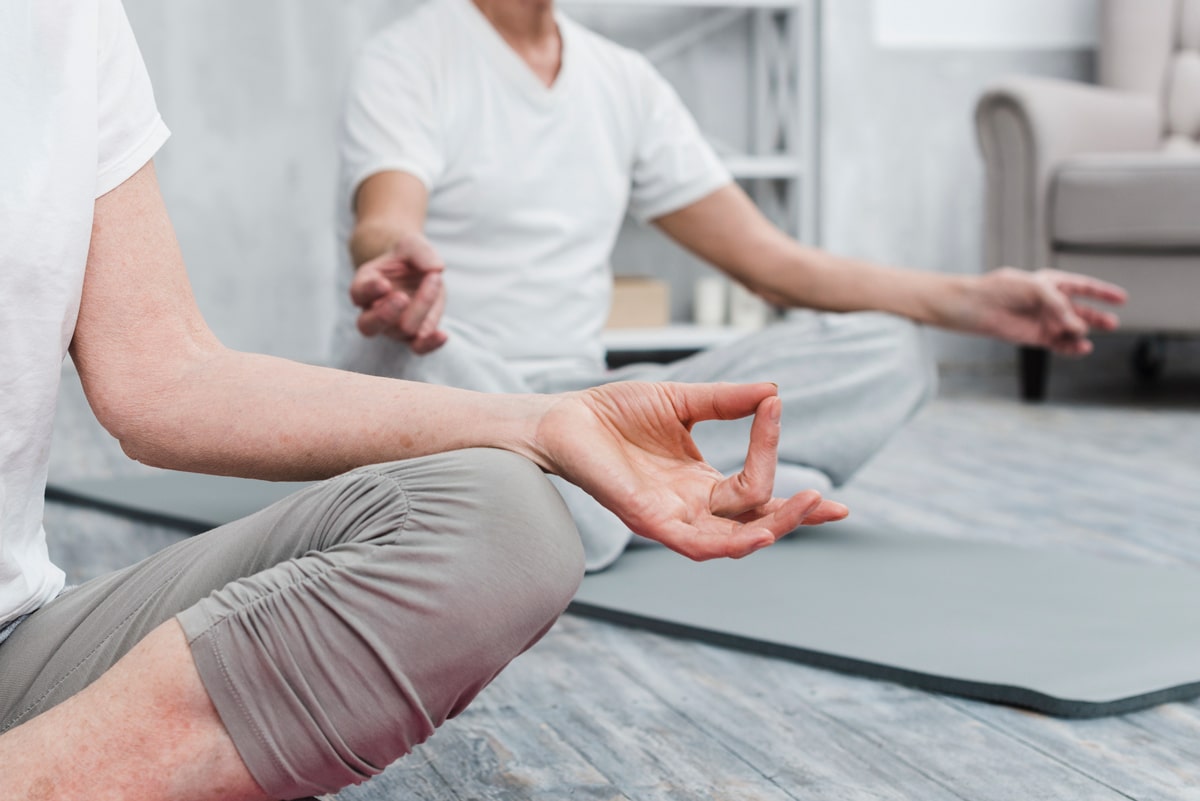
<point x="496" y="524"/>
<point x="915" y="369"/>
<point x="529" y="545"/>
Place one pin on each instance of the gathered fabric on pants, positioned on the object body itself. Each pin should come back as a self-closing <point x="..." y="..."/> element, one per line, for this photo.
<point x="848" y="382"/>
<point x="336" y="629"/>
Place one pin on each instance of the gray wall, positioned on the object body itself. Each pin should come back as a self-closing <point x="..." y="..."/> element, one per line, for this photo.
<point x="252" y="91"/>
<point x="902" y="182"/>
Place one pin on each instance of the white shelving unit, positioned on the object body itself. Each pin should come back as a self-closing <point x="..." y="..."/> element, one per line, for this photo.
<point x="780" y="171"/>
<point x="677" y="337"/>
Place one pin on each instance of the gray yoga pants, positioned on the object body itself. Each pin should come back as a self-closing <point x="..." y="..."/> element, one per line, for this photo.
<point x="848" y="382"/>
<point x="337" y="629"/>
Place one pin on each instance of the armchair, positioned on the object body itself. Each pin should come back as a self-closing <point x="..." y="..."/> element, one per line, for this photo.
<point x="1105" y="179"/>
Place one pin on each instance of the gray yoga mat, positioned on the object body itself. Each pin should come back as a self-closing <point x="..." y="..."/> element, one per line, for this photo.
<point x="1062" y="633"/>
<point x="187" y="500"/>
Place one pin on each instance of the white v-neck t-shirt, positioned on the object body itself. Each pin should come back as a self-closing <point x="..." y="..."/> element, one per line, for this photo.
<point x="528" y="184"/>
<point x="78" y="119"/>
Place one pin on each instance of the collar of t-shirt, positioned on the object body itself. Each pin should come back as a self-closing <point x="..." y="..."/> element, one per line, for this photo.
<point x="504" y="57"/>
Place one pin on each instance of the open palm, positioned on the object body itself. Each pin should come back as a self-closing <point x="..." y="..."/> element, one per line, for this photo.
<point x="629" y="445"/>
<point x="1047" y="308"/>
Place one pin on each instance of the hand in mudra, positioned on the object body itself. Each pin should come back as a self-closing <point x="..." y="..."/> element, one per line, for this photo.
<point x="629" y="445"/>
<point x="1047" y="308"/>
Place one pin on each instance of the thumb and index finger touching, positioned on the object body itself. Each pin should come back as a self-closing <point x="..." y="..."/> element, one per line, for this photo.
<point x="408" y="259"/>
<point x="747" y="496"/>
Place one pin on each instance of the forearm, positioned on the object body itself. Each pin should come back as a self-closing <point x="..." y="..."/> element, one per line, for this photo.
<point x="257" y="416"/>
<point x="389" y="208"/>
<point x="727" y="230"/>
<point x="806" y="277"/>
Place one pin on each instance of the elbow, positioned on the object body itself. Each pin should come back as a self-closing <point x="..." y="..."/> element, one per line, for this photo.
<point x="771" y="295"/>
<point x="130" y="420"/>
<point x="149" y="408"/>
<point x="142" y="449"/>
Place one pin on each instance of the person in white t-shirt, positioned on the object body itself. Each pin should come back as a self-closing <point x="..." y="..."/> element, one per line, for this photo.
<point x="489" y="152"/>
<point x="305" y="647"/>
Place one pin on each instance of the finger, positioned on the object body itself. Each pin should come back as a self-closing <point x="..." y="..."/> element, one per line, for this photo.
<point x="423" y="301"/>
<point x="1085" y="286"/>
<point x="1072" y="346"/>
<point x="383" y="315"/>
<point x="367" y="287"/>
<point x="718" y="538"/>
<point x="1097" y="318"/>
<point x="430" y="343"/>
<point x="826" y="512"/>
<point x="429" y="338"/>
<point x="1064" y="322"/>
<point x="696" y="402"/>
<point x="418" y="252"/>
<point x="789" y="515"/>
<point x="783" y="517"/>
<point x="751" y="487"/>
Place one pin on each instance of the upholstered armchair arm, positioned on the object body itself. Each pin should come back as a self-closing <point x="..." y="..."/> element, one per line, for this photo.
<point x="1026" y="127"/>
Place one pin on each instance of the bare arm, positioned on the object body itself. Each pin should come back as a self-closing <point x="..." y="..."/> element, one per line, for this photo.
<point x="161" y="383"/>
<point x="389" y="207"/>
<point x="398" y="275"/>
<point x="728" y="230"/>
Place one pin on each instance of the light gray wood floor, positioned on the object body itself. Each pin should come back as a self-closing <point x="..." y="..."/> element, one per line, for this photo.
<point x="601" y="712"/>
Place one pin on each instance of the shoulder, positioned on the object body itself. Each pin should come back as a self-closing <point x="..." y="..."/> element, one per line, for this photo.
<point x="616" y="61"/>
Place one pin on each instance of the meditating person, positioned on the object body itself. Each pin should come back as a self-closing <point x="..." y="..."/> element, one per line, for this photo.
<point x="305" y="647"/>
<point x="489" y="152"/>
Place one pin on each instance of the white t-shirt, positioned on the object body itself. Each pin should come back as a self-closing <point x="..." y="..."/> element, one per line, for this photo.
<point x="77" y="118"/>
<point x="528" y="185"/>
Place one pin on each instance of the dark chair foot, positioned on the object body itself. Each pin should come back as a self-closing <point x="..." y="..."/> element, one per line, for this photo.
<point x="1150" y="358"/>
<point x="1035" y="366"/>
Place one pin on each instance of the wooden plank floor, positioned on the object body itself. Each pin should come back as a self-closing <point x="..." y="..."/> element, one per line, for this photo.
<point x="601" y="712"/>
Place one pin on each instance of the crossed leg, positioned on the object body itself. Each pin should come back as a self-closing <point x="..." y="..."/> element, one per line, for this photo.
<point x="294" y="652"/>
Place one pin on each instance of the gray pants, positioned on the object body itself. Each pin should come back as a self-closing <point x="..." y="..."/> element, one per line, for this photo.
<point x="335" y="630"/>
<point x="848" y="382"/>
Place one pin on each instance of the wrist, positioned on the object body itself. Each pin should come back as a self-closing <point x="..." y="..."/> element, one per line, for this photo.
<point x="949" y="303"/>
<point x="371" y="239"/>
<point x="520" y="427"/>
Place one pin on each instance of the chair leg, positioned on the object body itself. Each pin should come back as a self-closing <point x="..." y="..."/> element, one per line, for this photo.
<point x="1034" y="365"/>
<point x="1150" y="358"/>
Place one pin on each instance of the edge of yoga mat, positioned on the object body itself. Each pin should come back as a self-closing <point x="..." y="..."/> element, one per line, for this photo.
<point x="200" y="517"/>
<point x="1009" y="695"/>
<point x="1071" y="635"/>
<point x="105" y="495"/>
<point x="61" y="494"/>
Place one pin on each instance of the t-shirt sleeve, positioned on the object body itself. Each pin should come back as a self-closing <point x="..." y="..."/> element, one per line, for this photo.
<point x="674" y="166"/>
<point x="391" y="119"/>
<point x="130" y="130"/>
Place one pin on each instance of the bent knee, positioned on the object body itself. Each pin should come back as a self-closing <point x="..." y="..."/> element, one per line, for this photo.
<point x="528" y="528"/>
<point x="500" y="520"/>
<point x="913" y="360"/>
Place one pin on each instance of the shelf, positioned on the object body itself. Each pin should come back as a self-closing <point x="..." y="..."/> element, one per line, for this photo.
<point x="674" y="337"/>
<point x="783" y="167"/>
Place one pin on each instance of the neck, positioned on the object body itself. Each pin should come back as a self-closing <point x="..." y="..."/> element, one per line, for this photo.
<point x="523" y="23"/>
<point x="531" y="31"/>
